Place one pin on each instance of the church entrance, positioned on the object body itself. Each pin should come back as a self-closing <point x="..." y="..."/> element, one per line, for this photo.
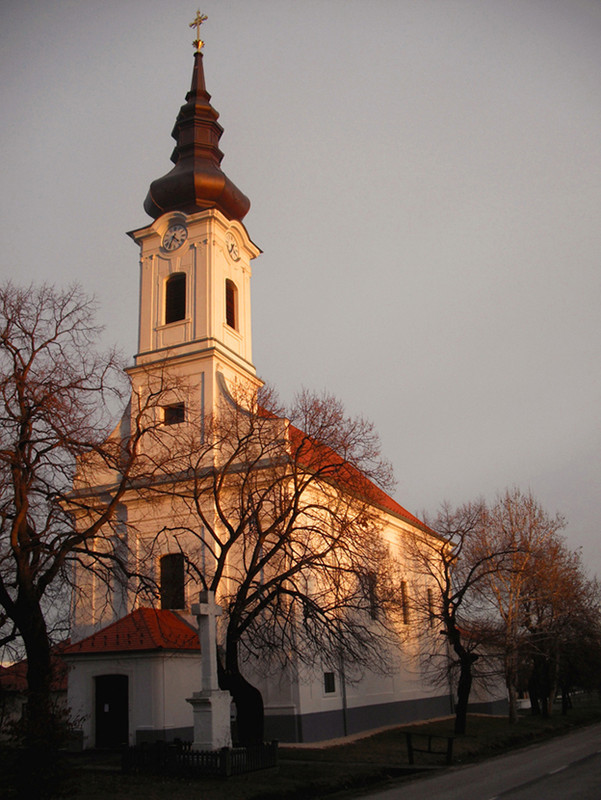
<point x="112" y="712"/>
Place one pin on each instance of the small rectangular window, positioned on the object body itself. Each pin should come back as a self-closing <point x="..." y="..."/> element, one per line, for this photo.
<point x="174" y="414"/>
<point x="329" y="682"/>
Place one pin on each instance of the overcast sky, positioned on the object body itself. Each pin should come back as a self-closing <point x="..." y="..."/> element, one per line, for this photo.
<point x="425" y="178"/>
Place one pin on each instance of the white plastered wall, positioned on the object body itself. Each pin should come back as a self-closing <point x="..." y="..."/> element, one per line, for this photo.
<point x="158" y="685"/>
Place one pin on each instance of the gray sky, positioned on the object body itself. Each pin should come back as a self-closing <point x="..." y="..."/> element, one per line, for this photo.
<point x="426" y="183"/>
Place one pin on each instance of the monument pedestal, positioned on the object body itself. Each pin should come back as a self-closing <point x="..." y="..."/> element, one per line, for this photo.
<point x="211" y="705"/>
<point x="211" y="719"/>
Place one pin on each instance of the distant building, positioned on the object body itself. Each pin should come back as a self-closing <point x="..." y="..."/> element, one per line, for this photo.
<point x="13" y="690"/>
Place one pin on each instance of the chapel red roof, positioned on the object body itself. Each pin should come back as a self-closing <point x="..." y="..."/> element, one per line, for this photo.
<point x="143" y="629"/>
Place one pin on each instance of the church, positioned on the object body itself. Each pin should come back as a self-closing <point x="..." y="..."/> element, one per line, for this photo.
<point x="135" y="659"/>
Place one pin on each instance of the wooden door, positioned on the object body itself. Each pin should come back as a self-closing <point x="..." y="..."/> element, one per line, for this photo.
<point x="112" y="710"/>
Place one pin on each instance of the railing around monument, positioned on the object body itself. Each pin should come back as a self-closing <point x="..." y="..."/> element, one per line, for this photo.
<point x="179" y="759"/>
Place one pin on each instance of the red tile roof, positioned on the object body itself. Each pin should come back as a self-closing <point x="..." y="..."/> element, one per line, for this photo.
<point x="14" y="678"/>
<point x="385" y="501"/>
<point x="305" y="447"/>
<point x="313" y="454"/>
<point x="143" y="629"/>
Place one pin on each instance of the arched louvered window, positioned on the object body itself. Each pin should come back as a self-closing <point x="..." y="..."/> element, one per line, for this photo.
<point x="173" y="594"/>
<point x="175" y="297"/>
<point x="231" y="304"/>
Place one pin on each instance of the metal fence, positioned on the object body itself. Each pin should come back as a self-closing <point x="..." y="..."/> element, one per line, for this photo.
<point x="179" y="759"/>
<point x="431" y="746"/>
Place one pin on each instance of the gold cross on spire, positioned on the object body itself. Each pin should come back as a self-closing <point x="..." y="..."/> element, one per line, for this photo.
<point x="199" y="19"/>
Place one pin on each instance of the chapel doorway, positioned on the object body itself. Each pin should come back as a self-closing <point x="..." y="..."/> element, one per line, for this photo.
<point x="112" y="710"/>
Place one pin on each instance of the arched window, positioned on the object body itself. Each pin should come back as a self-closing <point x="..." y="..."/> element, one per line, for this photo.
<point x="175" y="297"/>
<point x="404" y="602"/>
<point x="173" y="594"/>
<point x="231" y="302"/>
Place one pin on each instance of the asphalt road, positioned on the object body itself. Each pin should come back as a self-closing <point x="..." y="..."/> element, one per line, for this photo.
<point x="565" y="768"/>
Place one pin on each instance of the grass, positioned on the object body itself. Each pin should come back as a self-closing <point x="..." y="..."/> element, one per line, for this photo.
<point x="486" y="736"/>
<point x="314" y="772"/>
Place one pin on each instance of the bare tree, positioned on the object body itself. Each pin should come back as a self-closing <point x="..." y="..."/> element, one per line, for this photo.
<point x="56" y="394"/>
<point x="560" y="613"/>
<point x="508" y="590"/>
<point x="453" y="568"/>
<point x="579" y="656"/>
<point x="518" y="525"/>
<point x="277" y="512"/>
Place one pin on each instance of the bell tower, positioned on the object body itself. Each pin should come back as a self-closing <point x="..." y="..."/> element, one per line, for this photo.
<point x="195" y="261"/>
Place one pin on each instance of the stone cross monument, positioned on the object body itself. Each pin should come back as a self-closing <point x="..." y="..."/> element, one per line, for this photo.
<point x="211" y="706"/>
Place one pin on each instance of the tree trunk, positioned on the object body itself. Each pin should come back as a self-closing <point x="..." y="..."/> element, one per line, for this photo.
<point x="566" y="702"/>
<point x="533" y="694"/>
<point x="40" y="772"/>
<point x="39" y="730"/>
<point x="463" y="693"/>
<point x="513" y="700"/>
<point x="247" y="698"/>
<point x="540" y="682"/>
<point x="510" y="682"/>
<point x="466" y="660"/>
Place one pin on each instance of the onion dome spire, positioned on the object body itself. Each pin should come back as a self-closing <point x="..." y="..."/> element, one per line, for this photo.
<point x="196" y="182"/>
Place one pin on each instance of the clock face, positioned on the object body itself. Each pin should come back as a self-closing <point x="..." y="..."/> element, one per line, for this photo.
<point x="174" y="237"/>
<point x="232" y="246"/>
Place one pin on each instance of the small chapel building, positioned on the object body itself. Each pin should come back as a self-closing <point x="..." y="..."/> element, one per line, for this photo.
<point x="133" y="664"/>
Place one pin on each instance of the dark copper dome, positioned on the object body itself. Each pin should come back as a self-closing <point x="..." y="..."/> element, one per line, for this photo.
<point x="196" y="182"/>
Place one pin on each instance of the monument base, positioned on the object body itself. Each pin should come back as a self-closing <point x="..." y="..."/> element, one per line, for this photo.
<point x="211" y="719"/>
